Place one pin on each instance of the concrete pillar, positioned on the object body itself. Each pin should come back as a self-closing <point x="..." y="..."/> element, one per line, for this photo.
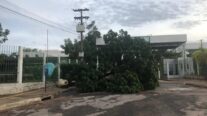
<point x="167" y="63"/>
<point x="184" y="59"/>
<point x="97" y="62"/>
<point x="20" y="65"/>
<point x="158" y="70"/>
<point x="58" y="67"/>
<point x="43" y="70"/>
<point x="158" y="73"/>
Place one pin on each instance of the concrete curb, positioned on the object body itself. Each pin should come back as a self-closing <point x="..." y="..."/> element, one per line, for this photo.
<point x="195" y="85"/>
<point x="29" y="101"/>
<point x="19" y="103"/>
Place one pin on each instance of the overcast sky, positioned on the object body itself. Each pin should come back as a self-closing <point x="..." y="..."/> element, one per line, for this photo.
<point x="138" y="17"/>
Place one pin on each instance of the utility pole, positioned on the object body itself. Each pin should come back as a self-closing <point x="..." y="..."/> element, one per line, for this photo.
<point x="80" y="27"/>
<point x="46" y="62"/>
<point x="201" y="44"/>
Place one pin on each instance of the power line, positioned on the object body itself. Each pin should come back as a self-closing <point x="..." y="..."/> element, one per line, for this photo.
<point x="34" y="19"/>
<point x="37" y="15"/>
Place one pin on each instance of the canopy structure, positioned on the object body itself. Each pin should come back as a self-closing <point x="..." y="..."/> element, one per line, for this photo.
<point x="172" y="68"/>
<point x="166" y="41"/>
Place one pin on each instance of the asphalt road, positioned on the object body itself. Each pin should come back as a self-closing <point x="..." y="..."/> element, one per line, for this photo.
<point x="170" y="99"/>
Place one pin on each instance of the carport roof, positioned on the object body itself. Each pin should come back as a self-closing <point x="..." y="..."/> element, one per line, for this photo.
<point x="165" y="41"/>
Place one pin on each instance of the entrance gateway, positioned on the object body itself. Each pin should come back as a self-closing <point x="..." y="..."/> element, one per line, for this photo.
<point x="177" y="67"/>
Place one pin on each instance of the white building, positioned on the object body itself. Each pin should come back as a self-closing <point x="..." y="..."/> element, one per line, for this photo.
<point x="50" y="53"/>
<point x="172" y="68"/>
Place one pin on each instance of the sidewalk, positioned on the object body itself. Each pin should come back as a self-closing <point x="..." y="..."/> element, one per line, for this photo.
<point x="192" y="82"/>
<point x="196" y="83"/>
<point x="25" y="98"/>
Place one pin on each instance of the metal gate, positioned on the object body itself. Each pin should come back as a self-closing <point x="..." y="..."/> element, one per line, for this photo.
<point x="8" y="64"/>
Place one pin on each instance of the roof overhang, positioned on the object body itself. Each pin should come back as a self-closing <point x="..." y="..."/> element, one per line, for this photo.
<point x="165" y="41"/>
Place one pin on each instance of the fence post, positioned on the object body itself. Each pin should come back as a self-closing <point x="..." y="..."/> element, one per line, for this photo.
<point x="58" y="67"/>
<point x="20" y="65"/>
<point x="43" y="69"/>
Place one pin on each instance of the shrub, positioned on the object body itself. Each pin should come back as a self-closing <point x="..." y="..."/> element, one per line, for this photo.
<point x="87" y="79"/>
<point x="149" y="78"/>
<point x="120" y="80"/>
<point x="71" y="71"/>
<point x="125" y="82"/>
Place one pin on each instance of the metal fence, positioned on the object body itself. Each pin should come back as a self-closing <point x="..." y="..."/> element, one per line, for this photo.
<point x="32" y="69"/>
<point x="8" y="63"/>
<point x="33" y="62"/>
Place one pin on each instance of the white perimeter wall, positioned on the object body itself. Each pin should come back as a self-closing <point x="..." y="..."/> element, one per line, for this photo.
<point x="12" y="88"/>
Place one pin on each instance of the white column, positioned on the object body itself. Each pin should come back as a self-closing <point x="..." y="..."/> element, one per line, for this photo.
<point x="167" y="69"/>
<point x="174" y="67"/>
<point x="184" y="64"/>
<point x="43" y="70"/>
<point x="97" y="62"/>
<point x="158" y="73"/>
<point x="58" y="67"/>
<point x="20" y="65"/>
<point x="158" y="70"/>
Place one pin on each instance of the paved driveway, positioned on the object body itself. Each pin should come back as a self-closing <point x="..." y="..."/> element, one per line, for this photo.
<point x="170" y="99"/>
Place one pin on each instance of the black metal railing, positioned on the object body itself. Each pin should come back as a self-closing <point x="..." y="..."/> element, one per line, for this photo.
<point x="8" y="63"/>
<point x="32" y="69"/>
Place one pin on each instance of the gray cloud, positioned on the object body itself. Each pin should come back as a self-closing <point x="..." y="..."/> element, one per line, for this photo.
<point x="186" y="24"/>
<point x="137" y="12"/>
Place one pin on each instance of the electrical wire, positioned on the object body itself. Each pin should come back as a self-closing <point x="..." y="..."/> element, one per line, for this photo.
<point x="31" y="13"/>
<point x="34" y="19"/>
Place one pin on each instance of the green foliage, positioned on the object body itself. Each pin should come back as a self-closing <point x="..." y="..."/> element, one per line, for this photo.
<point x="32" y="69"/>
<point x="124" y="82"/>
<point x="149" y="77"/>
<point x="30" y="50"/>
<point x="7" y="64"/>
<point x="127" y="64"/>
<point x="71" y="71"/>
<point x="200" y="56"/>
<point x="71" y="49"/>
<point x="3" y="34"/>
<point x="90" y="80"/>
<point x="54" y="76"/>
<point x="32" y="73"/>
<point x="87" y="79"/>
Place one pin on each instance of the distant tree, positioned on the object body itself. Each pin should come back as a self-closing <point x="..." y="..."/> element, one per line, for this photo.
<point x="30" y="50"/>
<point x="91" y="25"/>
<point x="70" y="48"/>
<point x="200" y="56"/>
<point x="3" y="34"/>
